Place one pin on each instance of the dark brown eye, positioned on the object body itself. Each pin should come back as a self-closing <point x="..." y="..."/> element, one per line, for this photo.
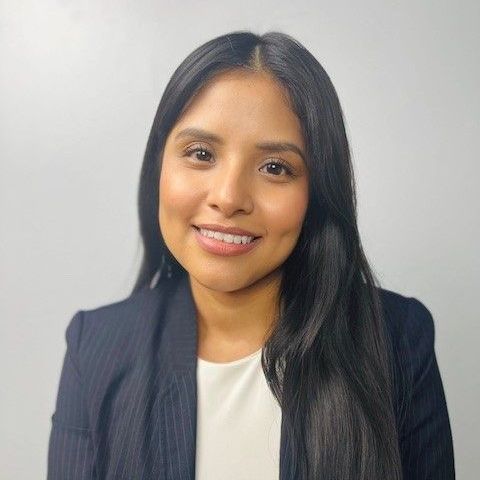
<point x="201" y="153"/>
<point x="277" y="169"/>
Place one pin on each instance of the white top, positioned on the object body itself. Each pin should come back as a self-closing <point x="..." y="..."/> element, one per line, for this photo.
<point x="238" y="422"/>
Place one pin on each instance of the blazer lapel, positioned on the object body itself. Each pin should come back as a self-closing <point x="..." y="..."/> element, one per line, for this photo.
<point x="177" y="405"/>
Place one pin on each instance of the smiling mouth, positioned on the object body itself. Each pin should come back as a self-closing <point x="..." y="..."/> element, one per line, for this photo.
<point x="198" y="229"/>
<point x="226" y="245"/>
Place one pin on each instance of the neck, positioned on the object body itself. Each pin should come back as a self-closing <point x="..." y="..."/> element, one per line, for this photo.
<point x="234" y="324"/>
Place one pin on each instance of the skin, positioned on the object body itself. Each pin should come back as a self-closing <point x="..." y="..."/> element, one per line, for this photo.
<point x="234" y="183"/>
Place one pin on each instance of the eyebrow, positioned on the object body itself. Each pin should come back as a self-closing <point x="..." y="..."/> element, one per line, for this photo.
<point x="266" y="146"/>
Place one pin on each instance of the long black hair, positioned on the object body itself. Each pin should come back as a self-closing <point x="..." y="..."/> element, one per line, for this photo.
<point x="327" y="357"/>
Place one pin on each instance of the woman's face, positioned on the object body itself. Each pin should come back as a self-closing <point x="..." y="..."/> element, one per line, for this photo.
<point x="221" y="167"/>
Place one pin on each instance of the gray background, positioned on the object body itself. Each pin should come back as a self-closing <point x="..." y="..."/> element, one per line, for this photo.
<point x="79" y="86"/>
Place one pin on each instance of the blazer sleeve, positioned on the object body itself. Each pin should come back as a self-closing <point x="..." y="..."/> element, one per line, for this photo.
<point x="70" y="449"/>
<point x="426" y="439"/>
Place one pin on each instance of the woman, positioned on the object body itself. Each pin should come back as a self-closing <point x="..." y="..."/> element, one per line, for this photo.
<point x="256" y="343"/>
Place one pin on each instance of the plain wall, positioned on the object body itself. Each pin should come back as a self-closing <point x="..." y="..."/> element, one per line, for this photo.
<point x="79" y="86"/>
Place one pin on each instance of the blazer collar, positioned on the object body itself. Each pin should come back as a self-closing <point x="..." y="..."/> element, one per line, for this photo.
<point x="180" y="332"/>
<point x="177" y="405"/>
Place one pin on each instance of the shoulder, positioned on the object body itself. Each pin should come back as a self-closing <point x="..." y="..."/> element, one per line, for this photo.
<point x="411" y="333"/>
<point x="111" y="350"/>
<point x="407" y="320"/>
<point x="115" y="330"/>
<point x="421" y="408"/>
<point x="121" y="314"/>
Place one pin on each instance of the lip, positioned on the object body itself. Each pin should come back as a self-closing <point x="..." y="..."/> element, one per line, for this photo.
<point x="223" y="229"/>
<point x="217" y="247"/>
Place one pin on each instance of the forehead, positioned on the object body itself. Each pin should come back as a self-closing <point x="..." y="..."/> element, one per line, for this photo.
<point x="243" y="104"/>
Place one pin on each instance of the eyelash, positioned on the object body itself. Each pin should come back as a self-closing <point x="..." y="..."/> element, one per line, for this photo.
<point x="278" y="161"/>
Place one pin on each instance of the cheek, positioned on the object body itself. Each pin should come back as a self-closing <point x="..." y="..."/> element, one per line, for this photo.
<point x="177" y="195"/>
<point x="285" y="215"/>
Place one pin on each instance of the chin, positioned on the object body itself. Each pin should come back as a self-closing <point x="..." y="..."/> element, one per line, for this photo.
<point x="221" y="282"/>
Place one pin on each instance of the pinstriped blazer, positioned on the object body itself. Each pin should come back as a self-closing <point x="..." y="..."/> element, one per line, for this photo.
<point x="126" y="403"/>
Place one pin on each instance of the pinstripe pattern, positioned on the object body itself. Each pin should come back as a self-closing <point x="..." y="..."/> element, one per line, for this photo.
<point x="126" y="403"/>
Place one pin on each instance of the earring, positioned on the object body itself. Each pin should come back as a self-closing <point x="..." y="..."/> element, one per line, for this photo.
<point x="158" y="274"/>
<point x="169" y="267"/>
<point x="155" y="279"/>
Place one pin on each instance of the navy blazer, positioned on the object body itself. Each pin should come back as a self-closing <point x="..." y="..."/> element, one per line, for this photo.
<point x="126" y="404"/>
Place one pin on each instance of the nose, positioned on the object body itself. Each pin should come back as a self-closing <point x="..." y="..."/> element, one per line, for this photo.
<point x="230" y="190"/>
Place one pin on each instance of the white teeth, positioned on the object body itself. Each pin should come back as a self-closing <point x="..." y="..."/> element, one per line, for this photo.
<point x="226" y="237"/>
